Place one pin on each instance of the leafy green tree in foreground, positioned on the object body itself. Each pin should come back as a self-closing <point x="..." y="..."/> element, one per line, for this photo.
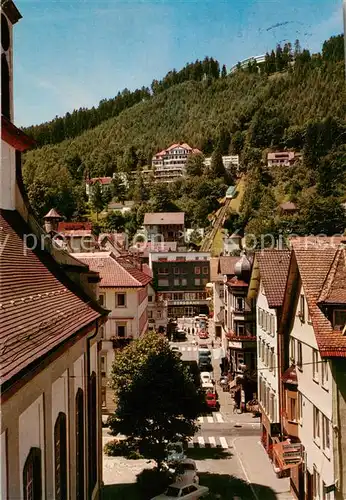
<point x="97" y="199"/>
<point x="157" y="401"/>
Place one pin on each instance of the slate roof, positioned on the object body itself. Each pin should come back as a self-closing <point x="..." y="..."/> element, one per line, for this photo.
<point x="274" y="266"/>
<point x="115" y="273"/>
<point x="39" y="306"/>
<point x="315" y="264"/>
<point x="164" y="218"/>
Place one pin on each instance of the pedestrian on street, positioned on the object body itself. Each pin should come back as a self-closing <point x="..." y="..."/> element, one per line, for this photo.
<point x="212" y="344"/>
<point x="193" y="331"/>
<point x="235" y="407"/>
<point x="188" y="330"/>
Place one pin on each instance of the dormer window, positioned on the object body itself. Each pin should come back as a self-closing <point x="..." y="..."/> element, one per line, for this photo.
<point x="339" y="319"/>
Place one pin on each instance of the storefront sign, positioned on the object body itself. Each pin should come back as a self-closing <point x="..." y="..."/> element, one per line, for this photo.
<point x="292" y="452"/>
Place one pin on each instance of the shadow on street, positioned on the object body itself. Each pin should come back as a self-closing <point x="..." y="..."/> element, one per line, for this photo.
<point x="208" y="453"/>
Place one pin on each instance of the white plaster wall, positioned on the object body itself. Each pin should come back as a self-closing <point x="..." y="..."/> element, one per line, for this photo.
<point x="3" y="450"/>
<point x="271" y="377"/>
<point x="121" y="313"/>
<point x="31" y="434"/>
<point x="78" y="374"/>
<point x="7" y="177"/>
<point x="313" y="394"/>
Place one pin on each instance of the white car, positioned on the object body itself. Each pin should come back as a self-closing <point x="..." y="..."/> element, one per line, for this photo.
<point x="206" y="378"/>
<point x="187" y="491"/>
<point x="186" y="472"/>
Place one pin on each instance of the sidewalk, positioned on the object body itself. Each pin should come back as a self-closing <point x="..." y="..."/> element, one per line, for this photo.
<point x="258" y="469"/>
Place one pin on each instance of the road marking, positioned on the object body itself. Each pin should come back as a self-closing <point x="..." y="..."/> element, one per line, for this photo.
<point x="201" y="441"/>
<point x="210" y="420"/>
<point x="200" y="420"/>
<point x="224" y="443"/>
<point x="212" y="442"/>
<point x="219" y="417"/>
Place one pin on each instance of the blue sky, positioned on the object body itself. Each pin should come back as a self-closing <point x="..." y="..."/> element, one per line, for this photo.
<point x="71" y="54"/>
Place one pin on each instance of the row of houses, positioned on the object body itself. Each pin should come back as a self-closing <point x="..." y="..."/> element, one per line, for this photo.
<point x="286" y="320"/>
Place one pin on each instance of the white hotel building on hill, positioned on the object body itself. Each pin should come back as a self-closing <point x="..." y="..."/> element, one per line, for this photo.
<point x="169" y="164"/>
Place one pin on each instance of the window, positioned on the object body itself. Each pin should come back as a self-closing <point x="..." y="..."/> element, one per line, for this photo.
<point x="5" y="87"/>
<point x="102" y="332"/>
<point x="121" y="331"/>
<point x="316" y="423"/>
<point x="271" y="359"/>
<point x="102" y="301"/>
<point x="301" y="313"/>
<point x="197" y="281"/>
<point x="176" y="270"/>
<point x="184" y="282"/>
<point x="103" y="397"/>
<point x="315" y="365"/>
<point x="292" y="350"/>
<point x="267" y="354"/>
<point x="158" y="314"/>
<point x="299" y="355"/>
<point x="32" y="476"/>
<point x="240" y="329"/>
<point x="162" y="270"/>
<point x="60" y="457"/>
<point x="324" y="374"/>
<point x="92" y="432"/>
<point x="326" y="496"/>
<point x="263" y="350"/>
<point x="299" y="407"/>
<point x="197" y="270"/>
<point x="80" y="445"/>
<point x="271" y="407"/>
<point x="150" y="298"/>
<point x="325" y="433"/>
<point x="205" y="270"/>
<point x="103" y="366"/>
<point x="176" y="281"/>
<point x="120" y="300"/>
<point x="239" y="305"/>
<point x="163" y="282"/>
<point x="316" y="484"/>
<point x="339" y="319"/>
<point x="292" y="409"/>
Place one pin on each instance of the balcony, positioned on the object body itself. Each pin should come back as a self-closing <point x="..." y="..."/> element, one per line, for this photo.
<point x="246" y="336"/>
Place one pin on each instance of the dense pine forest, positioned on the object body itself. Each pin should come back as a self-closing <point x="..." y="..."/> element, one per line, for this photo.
<point x="296" y="100"/>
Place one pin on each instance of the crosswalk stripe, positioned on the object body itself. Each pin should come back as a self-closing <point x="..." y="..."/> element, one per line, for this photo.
<point x="210" y="420"/>
<point x="224" y="443"/>
<point x="212" y="441"/>
<point x="219" y="417"/>
<point x="201" y="441"/>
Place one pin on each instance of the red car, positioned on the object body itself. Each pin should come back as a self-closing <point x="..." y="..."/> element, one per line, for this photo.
<point x="211" y="400"/>
<point x="203" y="335"/>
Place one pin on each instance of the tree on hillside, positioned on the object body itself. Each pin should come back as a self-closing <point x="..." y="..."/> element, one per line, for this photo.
<point x="319" y="215"/>
<point x="97" y="199"/>
<point x="237" y="143"/>
<point x="114" y="222"/>
<point x="118" y="189"/>
<point x="334" y="49"/>
<point x="140" y="191"/>
<point x="160" y="199"/>
<point x="217" y="168"/>
<point x="157" y="400"/>
<point x="195" y="165"/>
<point x="223" y="71"/>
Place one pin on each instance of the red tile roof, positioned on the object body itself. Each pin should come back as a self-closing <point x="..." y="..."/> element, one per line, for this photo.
<point x="273" y="266"/>
<point x="236" y="282"/>
<point x="73" y="226"/>
<point x="164" y="218"/>
<point x="289" y="206"/>
<point x="52" y="213"/>
<point x="334" y="288"/>
<point x="39" y="306"/>
<point x="315" y="265"/>
<point x="102" y="180"/>
<point x="114" y="272"/>
<point x="226" y="265"/>
<point x="290" y="376"/>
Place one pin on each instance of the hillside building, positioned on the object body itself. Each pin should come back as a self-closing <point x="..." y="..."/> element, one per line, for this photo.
<point x="51" y="443"/>
<point x="169" y="164"/>
<point x="228" y="161"/>
<point x="282" y="158"/>
<point x="164" y="227"/>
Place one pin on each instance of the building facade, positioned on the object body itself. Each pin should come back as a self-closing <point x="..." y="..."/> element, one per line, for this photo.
<point x="123" y="290"/>
<point x="180" y="278"/>
<point x="228" y="161"/>
<point x="267" y="287"/>
<point x="282" y="158"/>
<point x="169" y="164"/>
<point x="157" y="311"/>
<point x="164" y="227"/>
<point x="51" y="443"/>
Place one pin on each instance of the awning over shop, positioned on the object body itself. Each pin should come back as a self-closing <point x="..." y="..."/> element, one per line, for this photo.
<point x="287" y="455"/>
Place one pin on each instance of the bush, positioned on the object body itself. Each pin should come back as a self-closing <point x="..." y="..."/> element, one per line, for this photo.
<point x="152" y="482"/>
<point x="121" y="448"/>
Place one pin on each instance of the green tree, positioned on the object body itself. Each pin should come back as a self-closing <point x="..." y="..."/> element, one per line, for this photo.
<point x="334" y="49"/>
<point x="223" y="71"/>
<point x="97" y="199"/>
<point x="148" y="370"/>
<point x="195" y="165"/>
<point x="114" y="221"/>
<point x="237" y="143"/>
<point x="140" y="191"/>
<point x="217" y="168"/>
<point x="319" y="215"/>
<point x="118" y="189"/>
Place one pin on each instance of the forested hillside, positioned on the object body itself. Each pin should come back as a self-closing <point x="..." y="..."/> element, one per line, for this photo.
<point x="286" y="105"/>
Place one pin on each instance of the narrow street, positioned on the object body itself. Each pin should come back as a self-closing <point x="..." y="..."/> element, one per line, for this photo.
<point x="227" y="450"/>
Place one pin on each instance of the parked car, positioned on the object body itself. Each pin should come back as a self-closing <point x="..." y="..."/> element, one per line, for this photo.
<point x="175" y="453"/>
<point x="203" y="334"/>
<point x="188" y="491"/>
<point x="211" y="400"/>
<point x="186" y="472"/>
<point x="204" y="352"/>
<point x="208" y="387"/>
<point x="206" y="377"/>
<point x="180" y="335"/>
<point x="205" y="365"/>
